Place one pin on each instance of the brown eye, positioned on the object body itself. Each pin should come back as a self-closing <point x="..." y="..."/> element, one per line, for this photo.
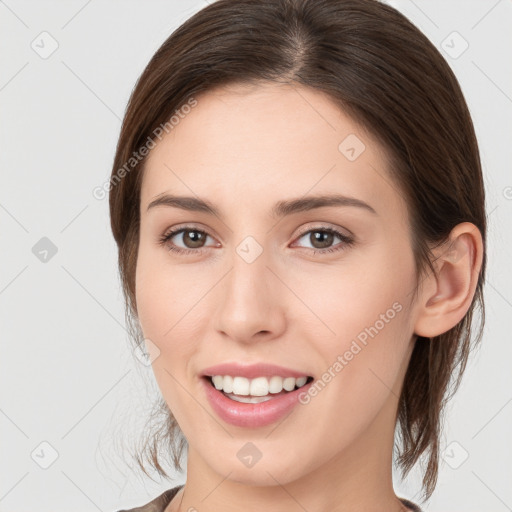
<point x="193" y="239"/>
<point x="322" y="239"/>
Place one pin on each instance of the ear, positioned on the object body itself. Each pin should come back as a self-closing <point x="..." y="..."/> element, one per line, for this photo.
<point x="446" y="295"/>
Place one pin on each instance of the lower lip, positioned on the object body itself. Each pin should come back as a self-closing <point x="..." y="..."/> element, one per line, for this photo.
<point x="251" y="415"/>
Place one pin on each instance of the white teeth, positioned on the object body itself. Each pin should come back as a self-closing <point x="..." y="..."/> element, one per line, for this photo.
<point x="289" y="383"/>
<point x="275" y="384"/>
<point x="217" y="381"/>
<point x="249" y="399"/>
<point x="258" y="387"/>
<point x="241" y="386"/>
<point x="301" y="381"/>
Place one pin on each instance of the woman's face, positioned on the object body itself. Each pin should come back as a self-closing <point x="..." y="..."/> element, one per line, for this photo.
<point x="272" y="286"/>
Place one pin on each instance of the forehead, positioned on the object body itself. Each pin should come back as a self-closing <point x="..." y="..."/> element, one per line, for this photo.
<point x="254" y="145"/>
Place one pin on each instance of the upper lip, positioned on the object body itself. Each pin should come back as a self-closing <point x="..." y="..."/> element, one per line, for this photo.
<point x="252" y="371"/>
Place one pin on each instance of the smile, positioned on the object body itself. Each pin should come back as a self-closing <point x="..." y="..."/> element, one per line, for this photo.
<point x="256" y="390"/>
<point x="253" y="403"/>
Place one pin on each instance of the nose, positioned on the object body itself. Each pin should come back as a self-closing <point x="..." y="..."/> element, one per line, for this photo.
<point x="251" y="305"/>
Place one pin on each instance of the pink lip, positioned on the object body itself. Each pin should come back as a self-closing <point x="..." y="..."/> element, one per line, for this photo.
<point x="252" y="371"/>
<point x="251" y="415"/>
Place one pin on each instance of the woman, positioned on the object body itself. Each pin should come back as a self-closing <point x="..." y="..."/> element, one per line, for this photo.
<point x="299" y="209"/>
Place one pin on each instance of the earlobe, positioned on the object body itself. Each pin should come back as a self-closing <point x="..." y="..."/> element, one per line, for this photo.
<point x="447" y="294"/>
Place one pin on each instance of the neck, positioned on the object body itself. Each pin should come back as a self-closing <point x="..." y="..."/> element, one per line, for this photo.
<point x="358" y="478"/>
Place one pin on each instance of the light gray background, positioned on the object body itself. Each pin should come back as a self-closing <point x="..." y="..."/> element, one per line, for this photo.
<point x="67" y="375"/>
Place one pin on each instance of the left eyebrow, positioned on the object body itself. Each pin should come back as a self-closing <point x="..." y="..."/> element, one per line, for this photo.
<point x="280" y="209"/>
<point x="283" y="208"/>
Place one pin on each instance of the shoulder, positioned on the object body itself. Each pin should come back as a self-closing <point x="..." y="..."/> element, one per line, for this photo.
<point x="158" y="504"/>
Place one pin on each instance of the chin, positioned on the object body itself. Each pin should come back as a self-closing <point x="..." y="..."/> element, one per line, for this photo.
<point x="267" y="471"/>
<point x="267" y="476"/>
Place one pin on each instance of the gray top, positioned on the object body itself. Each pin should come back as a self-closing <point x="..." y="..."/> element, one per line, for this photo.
<point x="160" y="502"/>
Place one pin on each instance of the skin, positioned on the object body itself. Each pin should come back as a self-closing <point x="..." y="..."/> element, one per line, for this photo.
<point x="243" y="149"/>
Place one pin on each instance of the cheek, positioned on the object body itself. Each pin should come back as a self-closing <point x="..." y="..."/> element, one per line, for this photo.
<point x="164" y="320"/>
<point x="348" y="299"/>
<point x="152" y="301"/>
<point x="364" y="318"/>
<point x="363" y="362"/>
<point x="172" y="311"/>
<point x="159" y="302"/>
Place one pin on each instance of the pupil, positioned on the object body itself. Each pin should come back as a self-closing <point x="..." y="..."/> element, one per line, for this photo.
<point x="319" y="235"/>
<point x="196" y="238"/>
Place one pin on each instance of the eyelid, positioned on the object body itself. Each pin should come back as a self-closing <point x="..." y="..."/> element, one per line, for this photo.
<point x="320" y="226"/>
<point x="191" y="226"/>
<point x="346" y="239"/>
<point x="306" y="229"/>
<point x="180" y="228"/>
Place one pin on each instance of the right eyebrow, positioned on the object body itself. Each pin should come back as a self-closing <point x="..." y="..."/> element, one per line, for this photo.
<point x="280" y="209"/>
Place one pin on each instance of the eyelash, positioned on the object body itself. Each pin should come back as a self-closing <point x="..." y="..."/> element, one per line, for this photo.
<point x="164" y="239"/>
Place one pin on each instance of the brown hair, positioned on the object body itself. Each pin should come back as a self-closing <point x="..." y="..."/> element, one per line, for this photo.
<point x="381" y="70"/>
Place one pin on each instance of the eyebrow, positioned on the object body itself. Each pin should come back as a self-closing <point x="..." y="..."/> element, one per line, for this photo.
<point x="280" y="209"/>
